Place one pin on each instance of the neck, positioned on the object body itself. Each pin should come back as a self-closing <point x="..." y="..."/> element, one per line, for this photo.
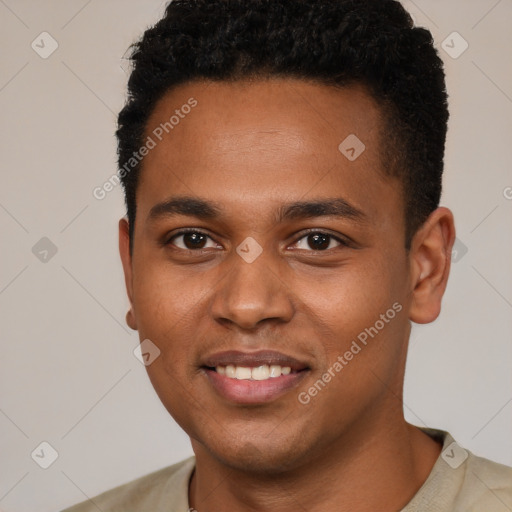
<point x="372" y="469"/>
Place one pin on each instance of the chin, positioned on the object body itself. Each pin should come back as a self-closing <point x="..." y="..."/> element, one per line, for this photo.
<point x="256" y="454"/>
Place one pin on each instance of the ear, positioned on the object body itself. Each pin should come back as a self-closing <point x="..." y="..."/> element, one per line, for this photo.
<point x="124" y="251"/>
<point x="430" y="257"/>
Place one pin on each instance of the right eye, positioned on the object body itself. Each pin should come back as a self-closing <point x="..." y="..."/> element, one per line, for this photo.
<point x="191" y="240"/>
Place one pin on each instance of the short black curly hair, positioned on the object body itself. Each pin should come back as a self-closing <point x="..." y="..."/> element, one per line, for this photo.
<point x="334" y="42"/>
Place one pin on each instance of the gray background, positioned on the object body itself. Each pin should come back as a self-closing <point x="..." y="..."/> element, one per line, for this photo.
<point x="68" y="373"/>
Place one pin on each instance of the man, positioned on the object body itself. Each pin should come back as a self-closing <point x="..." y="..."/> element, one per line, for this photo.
<point x="282" y="166"/>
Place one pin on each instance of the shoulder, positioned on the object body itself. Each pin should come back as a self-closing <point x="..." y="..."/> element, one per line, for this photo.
<point x="156" y="491"/>
<point x="487" y="485"/>
<point x="461" y="481"/>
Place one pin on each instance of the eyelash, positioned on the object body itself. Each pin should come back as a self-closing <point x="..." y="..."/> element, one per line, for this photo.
<point x="341" y="241"/>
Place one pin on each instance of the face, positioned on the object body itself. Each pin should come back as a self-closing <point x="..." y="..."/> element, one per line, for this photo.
<point x="261" y="248"/>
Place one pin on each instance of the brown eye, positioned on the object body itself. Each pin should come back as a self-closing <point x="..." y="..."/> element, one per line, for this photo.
<point x="190" y="240"/>
<point x="318" y="241"/>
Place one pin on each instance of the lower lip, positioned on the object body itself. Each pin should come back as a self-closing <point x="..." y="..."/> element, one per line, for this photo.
<point x="245" y="391"/>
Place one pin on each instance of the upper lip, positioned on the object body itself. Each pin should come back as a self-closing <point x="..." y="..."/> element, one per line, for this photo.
<point x="253" y="359"/>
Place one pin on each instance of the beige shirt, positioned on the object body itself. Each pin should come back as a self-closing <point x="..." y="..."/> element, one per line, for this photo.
<point x="458" y="482"/>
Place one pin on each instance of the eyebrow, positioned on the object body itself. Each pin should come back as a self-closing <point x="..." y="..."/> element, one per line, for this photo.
<point x="209" y="210"/>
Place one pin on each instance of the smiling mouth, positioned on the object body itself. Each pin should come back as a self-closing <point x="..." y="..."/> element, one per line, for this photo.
<point x="259" y="373"/>
<point x="253" y="377"/>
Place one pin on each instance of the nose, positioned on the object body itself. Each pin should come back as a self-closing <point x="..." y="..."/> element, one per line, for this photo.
<point x="252" y="293"/>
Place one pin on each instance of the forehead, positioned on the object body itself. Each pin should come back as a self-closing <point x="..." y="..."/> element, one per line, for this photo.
<point x="265" y="142"/>
<point x="305" y="117"/>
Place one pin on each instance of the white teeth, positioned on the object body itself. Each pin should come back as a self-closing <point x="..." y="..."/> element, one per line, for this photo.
<point x="242" y="373"/>
<point x="275" y="371"/>
<point x="263" y="372"/>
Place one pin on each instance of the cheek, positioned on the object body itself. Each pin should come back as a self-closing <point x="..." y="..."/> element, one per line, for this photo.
<point x="171" y="304"/>
<point x="363" y="350"/>
<point x="166" y="310"/>
<point x="348" y="300"/>
<point x="165" y="297"/>
<point x="369" y="326"/>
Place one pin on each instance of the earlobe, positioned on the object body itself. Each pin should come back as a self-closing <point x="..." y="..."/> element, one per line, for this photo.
<point x="130" y="320"/>
<point x="124" y="251"/>
<point x="430" y="258"/>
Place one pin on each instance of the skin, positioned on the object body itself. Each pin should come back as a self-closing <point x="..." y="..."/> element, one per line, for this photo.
<point x="252" y="147"/>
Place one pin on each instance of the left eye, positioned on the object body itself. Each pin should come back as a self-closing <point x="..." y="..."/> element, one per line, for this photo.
<point x="318" y="241"/>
